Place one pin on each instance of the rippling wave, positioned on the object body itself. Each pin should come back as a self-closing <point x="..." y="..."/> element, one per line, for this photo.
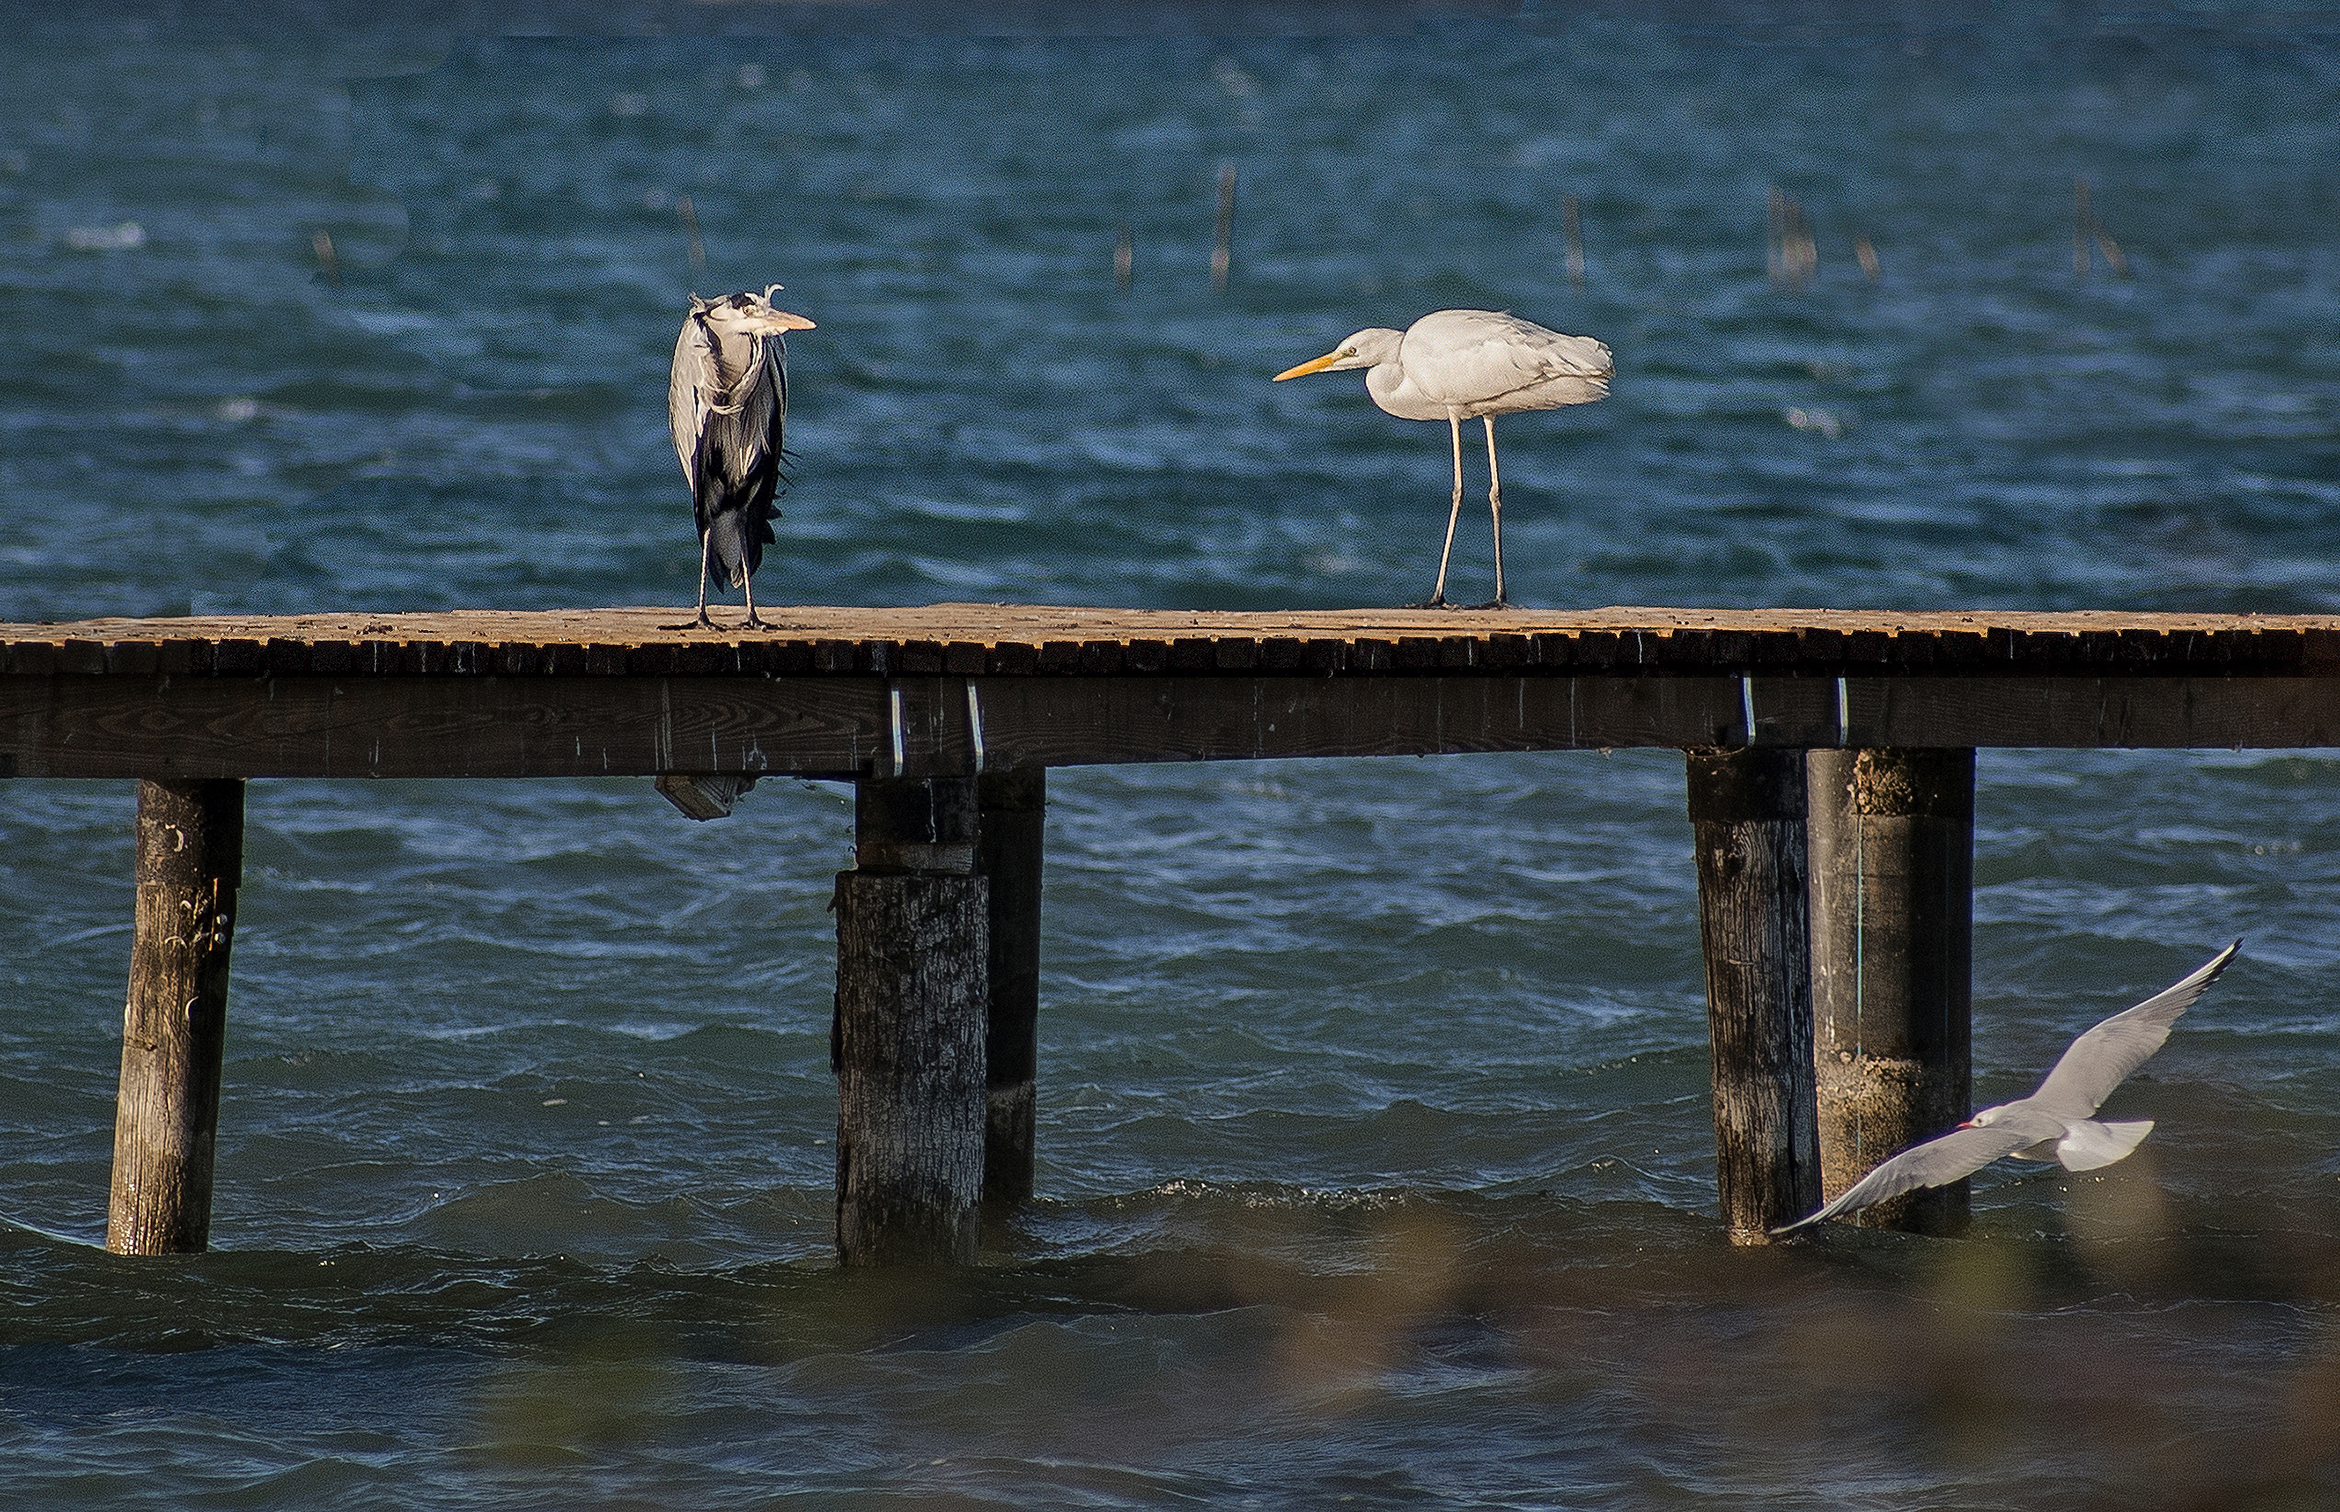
<point x="1375" y="1143"/>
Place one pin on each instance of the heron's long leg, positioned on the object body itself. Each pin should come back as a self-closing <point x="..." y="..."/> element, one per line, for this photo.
<point x="703" y="620"/>
<point x="1438" y="594"/>
<point x="749" y="583"/>
<point x="1495" y="505"/>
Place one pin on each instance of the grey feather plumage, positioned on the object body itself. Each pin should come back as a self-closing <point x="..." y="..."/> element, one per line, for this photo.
<point x="727" y="409"/>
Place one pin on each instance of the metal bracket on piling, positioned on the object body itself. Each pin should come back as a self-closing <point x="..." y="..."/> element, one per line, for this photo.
<point x="975" y="723"/>
<point x="1747" y="705"/>
<point x="894" y="723"/>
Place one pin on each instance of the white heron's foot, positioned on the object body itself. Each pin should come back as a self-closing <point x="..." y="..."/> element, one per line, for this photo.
<point x="1493" y="603"/>
<point x="754" y="623"/>
<point x="1434" y="601"/>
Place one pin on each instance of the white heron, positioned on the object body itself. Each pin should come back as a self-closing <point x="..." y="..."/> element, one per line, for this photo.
<point x="1454" y="363"/>
<point x="726" y="403"/>
<point x="2057" y="1121"/>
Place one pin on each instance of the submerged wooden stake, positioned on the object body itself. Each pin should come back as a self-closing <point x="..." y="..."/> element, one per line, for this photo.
<point x="1572" y="233"/>
<point x="1747" y="815"/>
<point x="1892" y="875"/>
<point x="688" y="214"/>
<point x="2082" y="219"/>
<point x="913" y="987"/>
<point x="1014" y="807"/>
<point x="1223" y="230"/>
<point x="190" y="857"/>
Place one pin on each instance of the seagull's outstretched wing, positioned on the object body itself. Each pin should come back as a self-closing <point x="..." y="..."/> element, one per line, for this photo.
<point x="1961" y="1152"/>
<point x="2102" y="1058"/>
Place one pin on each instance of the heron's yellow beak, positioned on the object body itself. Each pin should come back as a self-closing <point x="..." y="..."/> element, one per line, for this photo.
<point x="1314" y="365"/>
<point x="788" y="322"/>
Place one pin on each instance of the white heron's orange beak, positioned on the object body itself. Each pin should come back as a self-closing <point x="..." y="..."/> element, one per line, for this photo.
<point x="1313" y="365"/>
<point x="780" y="320"/>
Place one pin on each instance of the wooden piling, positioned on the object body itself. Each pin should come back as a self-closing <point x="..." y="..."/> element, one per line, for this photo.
<point x="688" y="214"/>
<point x="1223" y="230"/>
<point x="1793" y="255"/>
<point x="1747" y="812"/>
<point x="1892" y="878"/>
<point x="2082" y="219"/>
<point x="913" y="958"/>
<point x="1572" y="234"/>
<point x="190" y="857"/>
<point x="1014" y="815"/>
<point x="1775" y="236"/>
<point x="321" y="242"/>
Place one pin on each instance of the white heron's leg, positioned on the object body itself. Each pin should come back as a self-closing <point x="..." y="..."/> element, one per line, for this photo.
<point x="710" y="624"/>
<point x="1453" y="513"/>
<point x="1495" y="506"/>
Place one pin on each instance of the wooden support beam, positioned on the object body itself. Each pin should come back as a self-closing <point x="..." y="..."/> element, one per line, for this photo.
<point x="190" y="858"/>
<point x="913" y="986"/>
<point x="129" y="726"/>
<point x="1892" y="875"/>
<point x="1014" y="816"/>
<point x="1747" y="814"/>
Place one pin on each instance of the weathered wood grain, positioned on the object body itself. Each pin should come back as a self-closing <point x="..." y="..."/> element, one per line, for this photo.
<point x="77" y="726"/>
<point x="913" y="996"/>
<point x="1892" y="878"/>
<point x="911" y="979"/>
<point x="1041" y="640"/>
<point x="2173" y="713"/>
<point x="80" y="725"/>
<point x="190" y="858"/>
<point x="1747" y="813"/>
<point x="1014" y="810"/>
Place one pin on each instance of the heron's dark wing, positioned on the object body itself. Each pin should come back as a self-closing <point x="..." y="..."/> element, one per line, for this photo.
<point x="1937" y="1162"/>
<point x="737" y="465"/>
<point x="2102" y="1059"/>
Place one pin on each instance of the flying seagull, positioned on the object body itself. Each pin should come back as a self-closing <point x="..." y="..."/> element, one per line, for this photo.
<point x="2055" y="1122"/>
<point x="726" y="403"/>
<point x="1454" y="363"/>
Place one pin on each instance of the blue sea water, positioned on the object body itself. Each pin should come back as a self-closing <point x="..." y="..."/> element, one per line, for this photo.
<point x="1376" y="1156"/>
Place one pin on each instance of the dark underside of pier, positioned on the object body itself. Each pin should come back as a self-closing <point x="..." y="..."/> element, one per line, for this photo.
<point x="948" y="688"/>
<point x="1829" y="783"/>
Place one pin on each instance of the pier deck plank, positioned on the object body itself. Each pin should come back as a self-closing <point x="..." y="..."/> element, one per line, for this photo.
<point x="1014" y="639"/>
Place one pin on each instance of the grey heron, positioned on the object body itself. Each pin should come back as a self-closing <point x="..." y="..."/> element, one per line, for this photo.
<point x="1454" y="363"/>
<point x="726" y="403"/>
<point x="2056" y="1122"/>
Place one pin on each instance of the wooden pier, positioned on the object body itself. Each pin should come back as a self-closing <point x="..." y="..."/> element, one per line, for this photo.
<point x="1830" y="758"/>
